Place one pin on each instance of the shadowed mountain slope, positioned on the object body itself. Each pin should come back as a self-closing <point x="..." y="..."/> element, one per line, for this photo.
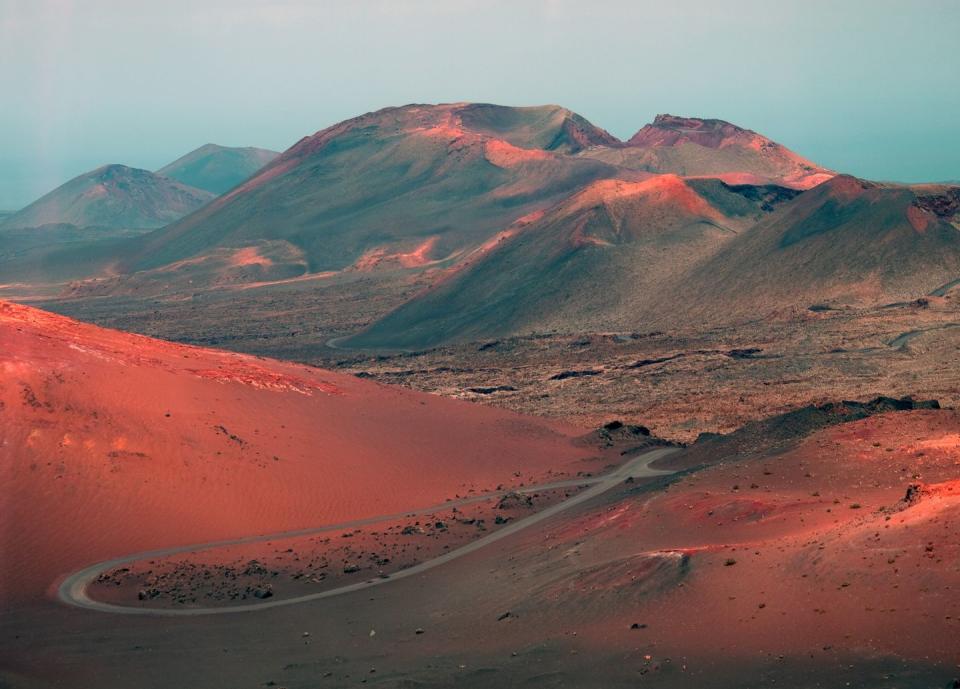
<point x="589" y="262"/>
<point x="847" y="241"/>
<point x="669" y="252"/>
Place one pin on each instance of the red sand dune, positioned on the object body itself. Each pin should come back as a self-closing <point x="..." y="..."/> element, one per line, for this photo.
<point x="112" y="443"/>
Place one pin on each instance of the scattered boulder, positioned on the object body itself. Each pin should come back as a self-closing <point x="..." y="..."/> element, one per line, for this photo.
<point x="255" y="568"/>
<point x="746" y="353"/>
<point x="492" y="389"/>
<point x="514" y="500"/>
<point x="914" y="494"/>
<point x="707" y="436"/>
<point x="657" y="360"/>
<point x="564" y="375"/>
<point x="617" y="431"/>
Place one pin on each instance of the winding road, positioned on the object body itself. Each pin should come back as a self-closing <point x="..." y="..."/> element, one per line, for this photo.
<point x="73" y="589"/>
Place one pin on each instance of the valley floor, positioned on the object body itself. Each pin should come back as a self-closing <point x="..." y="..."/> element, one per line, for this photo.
<point x="679" y="383"/>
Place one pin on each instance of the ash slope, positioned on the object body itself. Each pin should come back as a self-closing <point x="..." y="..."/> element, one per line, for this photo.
<point x="819" y="563"/>
<point x="115" y="443"/>
<point x="217" y="169"/>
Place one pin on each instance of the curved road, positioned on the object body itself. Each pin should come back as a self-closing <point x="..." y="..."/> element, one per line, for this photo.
<point x="73" y="590"/>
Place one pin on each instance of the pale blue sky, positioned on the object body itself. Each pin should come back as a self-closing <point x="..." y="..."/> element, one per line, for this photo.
<point x="864" y="86"/>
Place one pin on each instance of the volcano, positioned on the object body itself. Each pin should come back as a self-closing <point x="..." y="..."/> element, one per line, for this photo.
<point x="112" y="196"/>
<point x="216" y="168"/>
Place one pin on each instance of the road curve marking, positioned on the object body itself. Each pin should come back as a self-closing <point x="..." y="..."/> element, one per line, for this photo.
<point x="73" y="590"/>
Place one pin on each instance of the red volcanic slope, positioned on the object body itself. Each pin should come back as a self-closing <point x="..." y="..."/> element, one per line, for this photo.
<point x="844" y="546"/>
<point x="696" y="147"/>
<point x="113" y="443"/>
<point x="670" y="130"/>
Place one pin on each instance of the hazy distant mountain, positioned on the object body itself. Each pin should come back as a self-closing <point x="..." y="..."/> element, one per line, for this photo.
<point x="217" y="168"/>
<point x="113" y="196"/>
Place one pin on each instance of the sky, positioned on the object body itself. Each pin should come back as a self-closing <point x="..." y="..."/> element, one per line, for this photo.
<point x="867" y="87"/>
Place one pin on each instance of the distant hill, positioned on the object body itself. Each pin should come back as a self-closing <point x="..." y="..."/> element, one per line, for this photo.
<point x="112" y="196"/>
<point x="697" y="147"/>
<point x="217" y="168"/>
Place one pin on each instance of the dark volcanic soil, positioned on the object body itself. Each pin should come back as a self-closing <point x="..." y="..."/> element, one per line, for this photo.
<point x="681" y="384"/>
